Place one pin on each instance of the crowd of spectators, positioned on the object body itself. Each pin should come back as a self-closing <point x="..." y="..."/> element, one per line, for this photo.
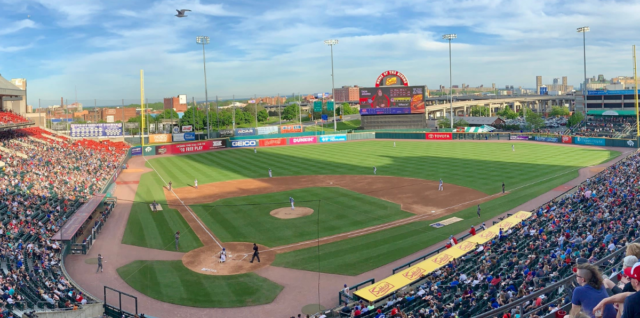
<point x="44" y="181"/>
<point x="606" y="126"/>
<point x="579" y="228"/>
<point x="9" y="117"/>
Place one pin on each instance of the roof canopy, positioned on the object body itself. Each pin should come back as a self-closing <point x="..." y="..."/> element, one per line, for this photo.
<point x="6" y="88"/>
<point x="77" y="219"/>
<point x="611" y="113"/>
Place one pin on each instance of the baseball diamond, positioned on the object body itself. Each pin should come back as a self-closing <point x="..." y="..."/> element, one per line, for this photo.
<point x="348" y="225"/>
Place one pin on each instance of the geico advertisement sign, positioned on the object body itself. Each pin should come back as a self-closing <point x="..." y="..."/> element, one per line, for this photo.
<point x="439" y="136"/>
<point x="243" y="143"/>
<point x="302" y="140"/>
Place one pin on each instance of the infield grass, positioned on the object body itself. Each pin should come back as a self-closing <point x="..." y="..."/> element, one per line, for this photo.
<point x="247" y="219"/>
<point x="172" y="282"/>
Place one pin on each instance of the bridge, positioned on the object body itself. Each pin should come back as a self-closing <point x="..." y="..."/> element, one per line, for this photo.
<point x="439" y="106"/>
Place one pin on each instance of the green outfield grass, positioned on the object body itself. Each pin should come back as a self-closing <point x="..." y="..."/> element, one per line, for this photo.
<point x="172" y="282"/>
<point x="247" y="219"/>
<point x="157" y="229"/>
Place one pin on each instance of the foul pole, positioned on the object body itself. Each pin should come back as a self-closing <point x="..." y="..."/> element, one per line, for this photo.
<point x="635" y="91"/>
<point x="142" y="107"/>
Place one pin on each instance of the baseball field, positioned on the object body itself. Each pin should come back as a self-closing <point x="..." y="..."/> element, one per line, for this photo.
<point x="363" y="221"/>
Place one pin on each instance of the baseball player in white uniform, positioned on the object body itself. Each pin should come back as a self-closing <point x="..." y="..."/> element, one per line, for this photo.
<point x="291" y="200"/>
<point x="195" y="182"/>
<point x="394" y="144"/>
<point x="270" y="174"/>
<point x="374" y="170"/>
<point x="513" y="147"/>
<point x="255" y="150"/>
<point x="440" y="185"/>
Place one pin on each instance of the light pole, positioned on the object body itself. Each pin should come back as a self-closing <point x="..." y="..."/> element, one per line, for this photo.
<point x="584" y="30"/>
<point x="205" y="40"/>
<point x="450" y="37"/>
<point x="331" y="43"/>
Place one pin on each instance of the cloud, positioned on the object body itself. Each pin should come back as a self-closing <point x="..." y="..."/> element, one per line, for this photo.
<point x="17" y="26"/>
<point x="70" y="13"/>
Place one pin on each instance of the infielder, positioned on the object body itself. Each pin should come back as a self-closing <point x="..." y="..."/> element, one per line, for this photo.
<point x="99" y="263"/>
<point x="195" y="182"/>
<point x="291" y="200"/>
<point x="270" y="174"/>
<point x="177" y="239"/>
<point x="170" y="185"/>
<point x="441" y="186"/>
<point x="478" y="210"/>
<point x="374" y="170"/>
<point x="502" y="186"/>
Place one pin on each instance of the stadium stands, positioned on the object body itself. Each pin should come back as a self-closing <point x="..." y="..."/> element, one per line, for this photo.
<point x="608" y="126"/>
<point x="45" y="180"/>
<point x="7" y="118"/>
<point x="593" y="223"/>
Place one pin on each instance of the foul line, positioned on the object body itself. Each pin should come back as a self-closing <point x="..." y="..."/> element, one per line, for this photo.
<point x="184" y="205"/>
<point x="418" y="217"/>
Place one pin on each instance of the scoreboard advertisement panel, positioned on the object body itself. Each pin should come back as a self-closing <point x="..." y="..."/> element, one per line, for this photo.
<point x="392" y="100"/>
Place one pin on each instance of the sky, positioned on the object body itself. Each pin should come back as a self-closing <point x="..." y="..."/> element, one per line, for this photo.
<point x="96" y="48"/>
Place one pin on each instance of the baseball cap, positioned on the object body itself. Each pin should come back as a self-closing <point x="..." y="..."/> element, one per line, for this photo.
<point x="633" y="272"/>
<point x="629" y="261"/>
<point x="581" y="261"/>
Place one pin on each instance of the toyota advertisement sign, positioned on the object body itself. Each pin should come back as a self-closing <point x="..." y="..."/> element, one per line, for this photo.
<point x="438" y="136"/>
<point x="244" y="143"/>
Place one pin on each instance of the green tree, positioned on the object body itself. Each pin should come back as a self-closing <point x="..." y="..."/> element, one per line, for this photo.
<point x="575" y="119"/>
<point x="557" y="111"/>
<point x="479" y="111"/>
<point x="290" y="112"/>
<point x="251" y="109"/>
<point x="167" y="114"/>
<point x="534" y="121"/>
<point x="188" y="118"/>
<point x="345" y="109"/>
<point x="460" y="123"/>
<point x="508" y="113"/>
<point x="263" y="115"/>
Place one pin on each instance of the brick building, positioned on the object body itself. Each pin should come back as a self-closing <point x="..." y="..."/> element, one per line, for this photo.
<point x="174" y="103"/>
<point x="347" y="94"/>
<point x="271" y="100"/>
<point x="112" y="115"/>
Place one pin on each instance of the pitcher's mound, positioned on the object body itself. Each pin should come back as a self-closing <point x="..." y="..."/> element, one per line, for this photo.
<point x="287" y="213"/>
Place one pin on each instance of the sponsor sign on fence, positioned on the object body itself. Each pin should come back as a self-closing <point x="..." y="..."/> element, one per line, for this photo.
<point x="438" y="136"/>
<point x="96" y="130"/>
<point x="547" y="139"/>
<point x="286" y="129"/>
<point x="190" y="147"/>
<point x="268" y="130"/>
<point x="149" y="150"/>
<point x="273" y="142"/>
<point x="243" y="143"/>
<point x="302" y="140"/>
<point x="245" y="131"/>
<point x="136" y="151"/>
<point x="187" y="128"/>
<point x="519" y="137"/>
<point x="159" y="139"/>
<point x="131" y="125"/>
<point x="226" y="132"/>
<point x="332" y="138"/>
<point x="567" y="139"/>
<point x="589" y="141"/>
<point x="190" y="136"/>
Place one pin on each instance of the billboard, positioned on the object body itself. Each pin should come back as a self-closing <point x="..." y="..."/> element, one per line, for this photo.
<point x="273" y="142"/>
<point x="267" y="130"/>
<point x="131" y="125"/>
<point x="567" y="140"/>
<point x="190" y="147"/>
<point x="245" y="131"/>
<point x="226" y="132"/>
<point x="519" y="137"/>
<point x="96" y="130"/>
<point x="439" y="136"/>
<point x="302" y="140"/>
<point x="392" y="100"/>
<point x="285" y="129"/>
<point x="184" y="137"/>
<point x="589" y="141"/>
<point x="391" y="78"/>
<point x="332" y="138"/>
<point x="159" y="138"/>
<point x="182" y="99"/>
<point x="149" y="150"/>
<point x="136" y="151"/>
<point x="187" y="128"/>
<point x="243" y="143"/>
<point x="548" y="139"/>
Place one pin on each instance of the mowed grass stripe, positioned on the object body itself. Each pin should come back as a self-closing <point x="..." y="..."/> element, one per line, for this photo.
<point x="248" y="219"/>
<point x="172" y="282"/>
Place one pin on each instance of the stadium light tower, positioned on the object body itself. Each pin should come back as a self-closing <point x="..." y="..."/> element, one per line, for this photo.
<point x="205" y="40"/>
<point x="450" y="37"/>
<point x="584" y="30"/>
<point x="331" y="43"/>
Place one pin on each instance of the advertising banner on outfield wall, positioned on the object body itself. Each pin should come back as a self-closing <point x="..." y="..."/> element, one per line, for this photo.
<point x="245" y="131"/>
<point x="226" y="132"/>
<point x="136" y="151"/>
<point x="268" y="130"/>
<point x="332" y="138"/>
<point x="589" y="141"/>
<point x="438" y="136"/>
<point x="190" y="147"/>
<point x="567" y="140"/>
<point x="149" y="150"/>
<point x="243" y="143"/>
<point x="286" y="129"/>
<point x="190" y="136"/>
<point x="159" y="139"/>
<point x="273" y="142"/>
<point x="302" y="140"/>
<point x="547" y="139"/>
<point x="519" y="137"/>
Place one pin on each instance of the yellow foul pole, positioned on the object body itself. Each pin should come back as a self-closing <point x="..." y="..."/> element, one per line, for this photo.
<point x="142" y="106"/>
<point x="635" y="91"/>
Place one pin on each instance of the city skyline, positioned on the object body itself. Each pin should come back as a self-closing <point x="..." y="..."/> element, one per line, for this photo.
<point x="277" y="47"/>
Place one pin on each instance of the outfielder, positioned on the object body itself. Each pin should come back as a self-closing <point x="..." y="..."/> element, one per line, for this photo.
<point x="195" y="182"/>
<point x="270" y="174"/>
<point x="177" y="239"/>
<point x="441" y="186"/>
<point x="513" y="147"/>
<point x="255" y="150"/>
<point x="291" y="200"/>
<point x="374" y="170"/>
<point x="394" y="144"/>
